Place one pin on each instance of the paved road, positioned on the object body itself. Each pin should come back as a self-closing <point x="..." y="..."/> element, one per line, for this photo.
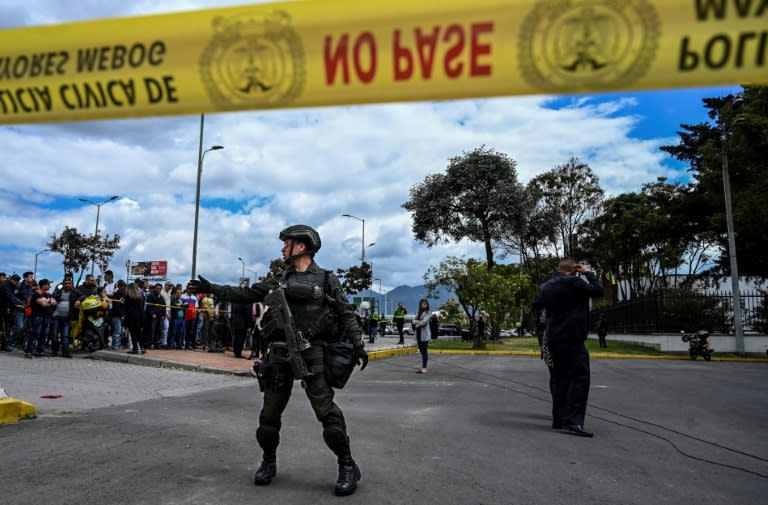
<point x="474" y="430"/>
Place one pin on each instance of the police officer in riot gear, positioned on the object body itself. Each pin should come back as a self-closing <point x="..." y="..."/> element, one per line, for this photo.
<point x="321" y="313"/>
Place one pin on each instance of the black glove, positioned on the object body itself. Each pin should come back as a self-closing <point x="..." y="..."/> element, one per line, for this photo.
<point x="361" y="357"/>
<point x="199" y="286"/>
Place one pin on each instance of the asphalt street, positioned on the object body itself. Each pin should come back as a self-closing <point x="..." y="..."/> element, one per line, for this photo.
<point x="474" y="430"/>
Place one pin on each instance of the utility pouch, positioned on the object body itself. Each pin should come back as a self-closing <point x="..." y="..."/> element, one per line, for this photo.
<point x="339" y="362"/>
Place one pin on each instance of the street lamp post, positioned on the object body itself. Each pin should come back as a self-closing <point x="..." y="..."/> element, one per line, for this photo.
<point x="362" y="241"/>
<point x="98" y="211"/>
<point x="363" y="247"/>
<point x="243" y="262"/>
<point x="738" y="327"/>
<point x="370" y="274"/>
<point x="36" y="255"/>
<point x="200" y="156"/>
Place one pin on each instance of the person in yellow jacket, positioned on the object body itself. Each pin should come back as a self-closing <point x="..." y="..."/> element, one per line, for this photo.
<point x="399" y="320"/>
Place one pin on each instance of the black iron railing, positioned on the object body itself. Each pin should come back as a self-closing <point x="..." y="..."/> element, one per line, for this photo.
<point x="669" y="311"/>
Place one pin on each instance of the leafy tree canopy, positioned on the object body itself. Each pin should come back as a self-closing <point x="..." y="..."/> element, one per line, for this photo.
<point x="80" y="249"/>
<point x="475" y="199"/>
<point x="738" y="136"/>
<point x="355" y="278"/>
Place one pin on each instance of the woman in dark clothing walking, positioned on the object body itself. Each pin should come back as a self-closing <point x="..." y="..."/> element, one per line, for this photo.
<point x="423" y="334"/>
<point x="133" y="304"/>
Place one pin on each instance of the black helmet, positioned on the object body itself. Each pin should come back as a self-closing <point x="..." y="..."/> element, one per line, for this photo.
<point x="302" y="233"/>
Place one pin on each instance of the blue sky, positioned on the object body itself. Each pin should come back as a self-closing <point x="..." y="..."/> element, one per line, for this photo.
<point x="312" y="165"/>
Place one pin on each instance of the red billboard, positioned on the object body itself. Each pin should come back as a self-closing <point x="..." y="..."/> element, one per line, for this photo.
<point x="149" y="269"/>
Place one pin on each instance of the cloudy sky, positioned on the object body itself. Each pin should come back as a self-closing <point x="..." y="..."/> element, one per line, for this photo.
<point x="300" y="166"/>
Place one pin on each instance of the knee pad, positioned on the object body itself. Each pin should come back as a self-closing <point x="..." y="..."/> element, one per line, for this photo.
<point x="334" y="418"/>
<point x="268" y="434"/>
<point x="335" y="435"/>
<point x="336" y="439"/>
<point x="268" y="438"/>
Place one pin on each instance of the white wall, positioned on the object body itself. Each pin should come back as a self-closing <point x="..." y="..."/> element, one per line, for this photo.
<point x="674" y="343"/>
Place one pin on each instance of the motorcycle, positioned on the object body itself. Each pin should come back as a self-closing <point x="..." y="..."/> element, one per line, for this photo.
<point x="698" y="344"/>
<point x="89" y="327"/>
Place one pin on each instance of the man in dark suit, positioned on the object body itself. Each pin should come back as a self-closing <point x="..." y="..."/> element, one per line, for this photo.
<point x="565" y="297"/>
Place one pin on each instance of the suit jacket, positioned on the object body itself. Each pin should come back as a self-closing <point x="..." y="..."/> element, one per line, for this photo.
<point x="566" y="300"/>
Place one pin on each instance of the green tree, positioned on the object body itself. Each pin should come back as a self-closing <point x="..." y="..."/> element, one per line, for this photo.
<point x="452" y="313"/>
<point x="475" y="199"/>
<point x="564" y="199"/>
<point x="501" y="291"/>
<point x="276" y="270"/>
<point x="355" y="278"/>
<point x="739" y="129"/>
<point x="457" y="275"/>
<point x="505" y="294"/>
<point x="79" y="249"/>
<point x="644" y="238"/>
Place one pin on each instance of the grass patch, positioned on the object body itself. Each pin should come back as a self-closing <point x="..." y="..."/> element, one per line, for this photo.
<point x="530" y="344"/>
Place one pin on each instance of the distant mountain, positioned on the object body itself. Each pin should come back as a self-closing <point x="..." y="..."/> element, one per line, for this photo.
<point x="408" y="295"/>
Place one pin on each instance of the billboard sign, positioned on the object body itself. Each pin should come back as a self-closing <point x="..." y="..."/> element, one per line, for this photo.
<point x="149" y="269"/>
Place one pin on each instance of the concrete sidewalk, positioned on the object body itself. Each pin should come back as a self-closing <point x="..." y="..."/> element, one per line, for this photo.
<point x="226" y="362"/>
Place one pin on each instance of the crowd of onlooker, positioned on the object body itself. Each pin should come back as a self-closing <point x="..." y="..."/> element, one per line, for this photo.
<point x="38" y="317"/>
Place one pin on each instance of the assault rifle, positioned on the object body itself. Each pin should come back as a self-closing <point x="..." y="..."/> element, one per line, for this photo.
<point x="282" y="319"/>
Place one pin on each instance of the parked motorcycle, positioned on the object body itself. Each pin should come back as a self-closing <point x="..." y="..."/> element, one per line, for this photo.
<point x="698" y="344"/>
<point x="89" y="329"/>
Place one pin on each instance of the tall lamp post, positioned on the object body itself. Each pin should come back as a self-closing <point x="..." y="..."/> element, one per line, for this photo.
<point x="98" y="211"/>
<point x="725" y="130"/>
<point x="362" y="245"/>
<point x="36" y="255"/>
<point x="243" y="262"/>
<point x="362" y="240"/>
<point x="200" y="156"/>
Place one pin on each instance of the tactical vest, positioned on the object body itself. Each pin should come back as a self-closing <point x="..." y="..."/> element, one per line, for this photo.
<point x="309" y="302"/>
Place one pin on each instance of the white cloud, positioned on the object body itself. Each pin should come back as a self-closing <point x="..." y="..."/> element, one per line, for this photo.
<point x="282" y="167"/>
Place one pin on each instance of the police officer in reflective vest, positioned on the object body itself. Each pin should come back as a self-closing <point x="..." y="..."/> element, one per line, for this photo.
<point x="399" y="319"/>
<point x="322" y="314"/>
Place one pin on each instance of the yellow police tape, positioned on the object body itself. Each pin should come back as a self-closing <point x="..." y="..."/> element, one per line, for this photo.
<point x="334" y="52"/>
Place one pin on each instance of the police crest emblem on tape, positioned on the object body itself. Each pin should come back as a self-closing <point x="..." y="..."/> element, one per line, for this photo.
<point x="587" y="43"/>
<point x="254" y="59"/>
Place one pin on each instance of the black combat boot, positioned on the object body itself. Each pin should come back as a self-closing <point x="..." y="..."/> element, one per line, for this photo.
<point x="268" y="436"/>
<point x="349" y="474"/>
<point x="265" y="473"/>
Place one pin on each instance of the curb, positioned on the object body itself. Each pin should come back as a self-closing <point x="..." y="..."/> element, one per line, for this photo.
<point x="602" y="355"/>
<point x="390" y="353"/>
<point x="160" y="363"/>
<point x="13" y="410"/>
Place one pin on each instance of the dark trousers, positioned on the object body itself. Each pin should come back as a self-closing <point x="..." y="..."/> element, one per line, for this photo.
<point x="155" y="327"/>
<point x="277" y="391"/>
<point x="569" y="382"/>
<point x="176" y="334"/>
<point x="190" y="333"/>
<point x="258" y="344"/>
<point x="133" y="323"/>
<point x="400" y="323"/>
<point x="239" y="341"/>
<point x="423" y="346"/>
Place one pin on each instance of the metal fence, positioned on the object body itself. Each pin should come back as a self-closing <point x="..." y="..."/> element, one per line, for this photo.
<point x="669" y="311"/>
